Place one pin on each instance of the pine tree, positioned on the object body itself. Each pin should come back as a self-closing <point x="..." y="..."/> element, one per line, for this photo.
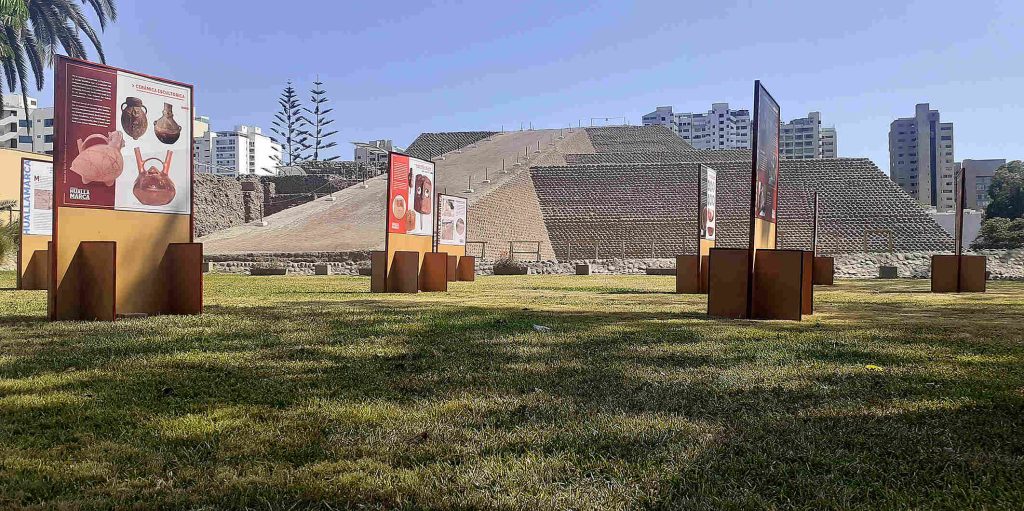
<point x="319" y="121"/>
<point x="290" y="125"/>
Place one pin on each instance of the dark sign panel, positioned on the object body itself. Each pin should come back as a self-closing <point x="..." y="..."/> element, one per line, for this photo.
<point x="766" y="154"/>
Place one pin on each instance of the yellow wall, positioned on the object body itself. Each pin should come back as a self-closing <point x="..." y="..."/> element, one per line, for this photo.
<point x="455" y="250"/>
<point x="33" y="246"/>
<point x="764" y="234"/>
<point x="10" y="172"/>
<point x="408" y="242"/>
<point x="10" y="189"/>
<point x="142" y="240"/>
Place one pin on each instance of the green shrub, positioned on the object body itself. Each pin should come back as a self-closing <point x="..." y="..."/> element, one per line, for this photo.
<point x="509" y="266"/>
<point x="1000" y="233"/>
<point x="8" y="233"/>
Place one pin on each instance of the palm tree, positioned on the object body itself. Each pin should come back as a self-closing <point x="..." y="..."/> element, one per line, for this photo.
<point x="33" y="31"/>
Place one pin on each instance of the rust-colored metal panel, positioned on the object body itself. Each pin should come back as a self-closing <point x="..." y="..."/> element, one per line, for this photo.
<point x="688" y="274"/>
<point x="467" y="268"/>
<point x="403" y="276"/>
<point x="824" y="271"/>
<point x="453" y="268"/>
<point x="944" y="273"/>
<point x="378" y="271"/>
<point x="704" y="260"/>
<point x="807" y="283"/>
<point x="183" y="278"/>
<point x="407" y="243"/>
<point x="728" y="272"/>
<point x="51" y="295"/>
<point x="95" y="269"/>
<point x="778" y="284"/>
<point x="972" y="273"/>
<point x="434" y="272"/>
<point x="36" y="270"/>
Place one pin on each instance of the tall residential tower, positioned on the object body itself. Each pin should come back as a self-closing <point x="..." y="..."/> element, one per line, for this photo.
<point x="921" y="157"/>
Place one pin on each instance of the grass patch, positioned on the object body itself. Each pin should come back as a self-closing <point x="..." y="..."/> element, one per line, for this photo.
<point x="308" y="392"/>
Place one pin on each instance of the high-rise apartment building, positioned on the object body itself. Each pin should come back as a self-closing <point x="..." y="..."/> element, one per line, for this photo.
<point x="979" y="179"/>
<point x="200" y="125"/>
<point x="718" y="128"/>
<point x="724" y="128"/>
<point x="245" y="150"/>
<point x="829" y="143"/>
<point x="32" y="132"/>
<point x="662" y="116"/>
<point x="806" y="139"/>
<point x="921" y="157"/>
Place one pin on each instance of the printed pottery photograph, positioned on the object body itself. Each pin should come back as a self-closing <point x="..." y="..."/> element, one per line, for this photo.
<point x="133" y="117"/>
<point x="398" y="206"/>
<point x="153" y="186"/>
<point x="99" y="158"/>
<point x="42" y="199"/>
<point x="165" y="128"/>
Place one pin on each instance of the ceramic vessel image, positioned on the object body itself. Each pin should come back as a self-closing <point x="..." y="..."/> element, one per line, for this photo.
<point x="165" y="128"/>
<point x="133" y="117"/>
<point x="99" y="158"/>
<point x="153" y="186"/>
<point x="423" y="192"/>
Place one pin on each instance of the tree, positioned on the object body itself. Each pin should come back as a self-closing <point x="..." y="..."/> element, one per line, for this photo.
<point x="319" y="121"/>
<point x="1007" y="192"/>
<point x="33" y="31"/>
<point x="1000" y="233"/>
<point x="290" y="125"/>
<point x="9" y="231"/>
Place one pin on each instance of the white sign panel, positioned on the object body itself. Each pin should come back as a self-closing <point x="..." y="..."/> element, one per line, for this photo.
<point x="37" y="198"/>
<point x="157" y="173"/>
<point x="453" y="220"/>
<point x="710" y="190"/>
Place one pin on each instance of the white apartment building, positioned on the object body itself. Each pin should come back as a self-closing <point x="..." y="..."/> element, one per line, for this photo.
<point x="921" y="158"/>
<point x="15" y="132"/>
<point x="373" y="152"/>
<point x="718" y="128"/>
<point x="829" y="143"/>
<point x="724" y="128"/>
<point x="806" y="139"/>
<point x="245" y="150"/>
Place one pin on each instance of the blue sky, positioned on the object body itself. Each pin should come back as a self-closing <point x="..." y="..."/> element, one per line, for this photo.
<point x="394" y="70"/>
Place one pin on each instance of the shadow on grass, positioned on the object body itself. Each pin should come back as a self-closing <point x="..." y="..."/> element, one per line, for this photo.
<point x="659" y="409"/>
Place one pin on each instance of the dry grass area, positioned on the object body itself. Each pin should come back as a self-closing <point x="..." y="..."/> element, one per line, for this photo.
<point x="308" y="392"/>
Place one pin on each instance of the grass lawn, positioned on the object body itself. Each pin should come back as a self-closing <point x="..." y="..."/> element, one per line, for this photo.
<point x="308" y="392"/>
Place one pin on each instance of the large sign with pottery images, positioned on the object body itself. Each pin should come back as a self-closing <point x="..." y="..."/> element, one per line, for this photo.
<point x="122" y="233"/>
<point x="127" y="141"/>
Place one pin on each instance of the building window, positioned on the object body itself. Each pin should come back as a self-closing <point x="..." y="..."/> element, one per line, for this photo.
<point x="48" y="123"/>
<point x="24" y="139"/>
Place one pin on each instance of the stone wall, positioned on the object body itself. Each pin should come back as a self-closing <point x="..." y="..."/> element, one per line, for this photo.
<point x="320" y="184"/>
<point x="298" y="263"/>
<point x="220" y="202"/>
<point x="510" y="212"/>
<point x="1003" y="264"/>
